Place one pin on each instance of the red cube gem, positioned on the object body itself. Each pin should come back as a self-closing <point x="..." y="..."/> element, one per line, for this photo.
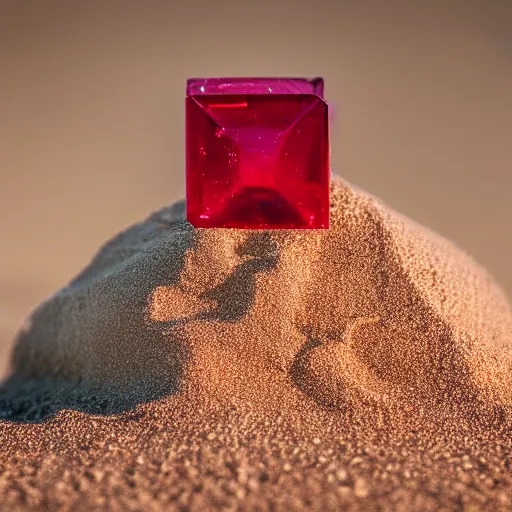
<point x="257" y="153"/>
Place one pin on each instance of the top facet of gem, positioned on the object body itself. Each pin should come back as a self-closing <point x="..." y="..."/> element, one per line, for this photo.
<point x="199" y="86"/>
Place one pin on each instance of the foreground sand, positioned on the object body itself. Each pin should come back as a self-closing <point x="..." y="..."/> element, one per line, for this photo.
<point x="368" y="365"/>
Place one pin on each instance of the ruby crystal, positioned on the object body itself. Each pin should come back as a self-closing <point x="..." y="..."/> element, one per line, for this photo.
<point x="257" y="153"/>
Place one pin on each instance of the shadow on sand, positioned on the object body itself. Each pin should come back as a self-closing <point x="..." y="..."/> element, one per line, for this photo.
<point x="26" y="397"/>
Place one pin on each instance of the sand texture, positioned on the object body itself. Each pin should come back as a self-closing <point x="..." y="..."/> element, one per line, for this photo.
<point x="366" y="366"/>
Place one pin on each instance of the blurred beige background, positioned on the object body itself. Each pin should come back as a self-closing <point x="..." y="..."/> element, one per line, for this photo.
<point x="92" y="116"/>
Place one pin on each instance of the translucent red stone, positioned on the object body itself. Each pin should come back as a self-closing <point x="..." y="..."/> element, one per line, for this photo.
<point x="257" y="153"/>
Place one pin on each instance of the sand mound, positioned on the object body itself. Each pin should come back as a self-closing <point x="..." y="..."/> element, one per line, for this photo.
<point x="367" y="367"/>
<point x="375" y="310"/>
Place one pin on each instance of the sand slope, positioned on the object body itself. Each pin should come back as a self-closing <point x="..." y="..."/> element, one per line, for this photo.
<point x="375" y="307"/>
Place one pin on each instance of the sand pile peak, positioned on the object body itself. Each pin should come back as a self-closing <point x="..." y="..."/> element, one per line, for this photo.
<point x="374" y="311"/>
